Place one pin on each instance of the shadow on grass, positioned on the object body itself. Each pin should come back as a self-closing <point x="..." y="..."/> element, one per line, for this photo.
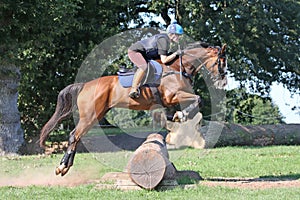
<point x="271" y="178"/>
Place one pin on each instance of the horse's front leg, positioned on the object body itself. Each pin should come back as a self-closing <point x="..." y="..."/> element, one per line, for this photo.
<point x="68" y="159"/>
<point x="190" y="103"/>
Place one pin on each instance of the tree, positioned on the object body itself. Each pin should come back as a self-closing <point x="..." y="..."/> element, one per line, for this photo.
<point x="262" y="37"/>
<point x="48" y="41"/>
<point x="257" y="33"/>
<point x="11" y="133"/>
<point x="247" y="109"/>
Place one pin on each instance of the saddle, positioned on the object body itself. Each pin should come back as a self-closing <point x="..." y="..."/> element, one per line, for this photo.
<point x="152" y="76"/>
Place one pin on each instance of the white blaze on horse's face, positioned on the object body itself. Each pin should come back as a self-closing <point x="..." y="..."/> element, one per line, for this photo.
<point x="218" y="67"/>
<point x="222" y="70"/>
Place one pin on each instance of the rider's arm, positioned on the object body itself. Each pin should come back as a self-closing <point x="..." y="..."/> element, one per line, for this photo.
<point x="165" y="59"/>
<point x="163" y="45"/>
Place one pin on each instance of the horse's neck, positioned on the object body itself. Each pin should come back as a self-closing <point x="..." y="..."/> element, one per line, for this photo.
<point x="199" y="54"/>
<point x="191" y="56"/>
<point x="194" y="58"/>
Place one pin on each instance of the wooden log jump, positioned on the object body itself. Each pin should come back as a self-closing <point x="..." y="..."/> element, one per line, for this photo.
<point x="150" y="163"/>
<point x="148" y="168"/>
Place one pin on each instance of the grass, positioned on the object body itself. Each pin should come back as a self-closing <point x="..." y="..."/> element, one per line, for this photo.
<point x="202" y="192"/>
<point x="277" y="162"/>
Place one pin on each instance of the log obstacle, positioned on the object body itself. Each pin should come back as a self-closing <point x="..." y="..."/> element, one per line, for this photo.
<point x="148" y="168"/>
<point x="219" y="134"/>
<point x="150" y="163"/>
<point x="258" y="135"/>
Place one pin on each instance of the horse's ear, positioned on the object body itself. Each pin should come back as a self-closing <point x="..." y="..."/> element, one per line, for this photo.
<point x="223" y="49"/>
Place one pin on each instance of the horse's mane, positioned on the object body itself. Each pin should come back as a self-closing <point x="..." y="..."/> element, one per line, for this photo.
<point x="197" y="45"/>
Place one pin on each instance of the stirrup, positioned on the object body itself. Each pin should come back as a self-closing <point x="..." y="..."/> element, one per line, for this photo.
<point x="134" y="94"/>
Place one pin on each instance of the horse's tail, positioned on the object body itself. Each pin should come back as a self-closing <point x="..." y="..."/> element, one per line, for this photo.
<point x="66" y="100"/>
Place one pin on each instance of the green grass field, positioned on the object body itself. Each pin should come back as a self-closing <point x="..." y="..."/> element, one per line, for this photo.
<point x="32" y="177"/>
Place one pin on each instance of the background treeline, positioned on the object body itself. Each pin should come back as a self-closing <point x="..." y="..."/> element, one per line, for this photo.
<point x="48" y="41"/>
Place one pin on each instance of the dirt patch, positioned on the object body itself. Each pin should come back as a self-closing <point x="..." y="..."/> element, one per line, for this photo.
<point x="45" y="176"/>
<point x="43" y="180"/>
<point x="252" y="183"/>
<point x="75" y="178"/>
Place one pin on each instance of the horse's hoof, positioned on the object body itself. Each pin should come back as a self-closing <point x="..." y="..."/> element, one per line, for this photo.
<point x="59" y="169"/>
<point x="179" y="116"/>
<point x="64" y="171"/>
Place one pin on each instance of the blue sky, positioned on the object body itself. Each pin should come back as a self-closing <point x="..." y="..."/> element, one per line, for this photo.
<point x="282" y="97"/>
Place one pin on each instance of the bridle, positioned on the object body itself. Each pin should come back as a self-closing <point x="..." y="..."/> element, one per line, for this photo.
<point x="201" y="67"/>
<point x="206" y="70"/>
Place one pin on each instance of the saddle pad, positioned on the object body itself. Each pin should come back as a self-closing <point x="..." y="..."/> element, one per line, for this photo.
<point x="153" y="75"/>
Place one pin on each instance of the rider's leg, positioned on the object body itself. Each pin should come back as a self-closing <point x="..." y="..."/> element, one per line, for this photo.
<point x="138" y="59"/>
<point x="138" y="76"/>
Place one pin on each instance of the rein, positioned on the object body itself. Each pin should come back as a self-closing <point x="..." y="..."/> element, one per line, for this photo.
<point x="181" y="73"/>
<point x="171" y="72"/>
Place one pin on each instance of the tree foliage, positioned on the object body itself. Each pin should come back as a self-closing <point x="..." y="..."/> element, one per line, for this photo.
<point x="262" y="37"/>
<point x="48" y="40"/>
<point x="246" y="109"/>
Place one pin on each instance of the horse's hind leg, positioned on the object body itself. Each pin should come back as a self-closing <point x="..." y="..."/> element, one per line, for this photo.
<point x="92" y="103"/>
<point x="82" y="128"/>
<point x="67" y="161"/>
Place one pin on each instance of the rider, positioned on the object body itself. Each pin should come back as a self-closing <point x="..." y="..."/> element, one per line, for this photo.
<point x="154" y="47"/>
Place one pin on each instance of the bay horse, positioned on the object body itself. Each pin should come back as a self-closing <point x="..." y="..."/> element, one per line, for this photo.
<point x="96" y="97"/>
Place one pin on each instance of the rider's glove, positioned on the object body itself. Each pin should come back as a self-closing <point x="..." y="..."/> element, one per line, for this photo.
<point x="179" y="52"/>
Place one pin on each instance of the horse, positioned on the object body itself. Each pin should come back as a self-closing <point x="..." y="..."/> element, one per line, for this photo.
<point x="95" y="98"/>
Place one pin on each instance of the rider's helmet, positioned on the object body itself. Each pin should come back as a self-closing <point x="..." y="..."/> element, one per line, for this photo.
<point x="175" y="28"/>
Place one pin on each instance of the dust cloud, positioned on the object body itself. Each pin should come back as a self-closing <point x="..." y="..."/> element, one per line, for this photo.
<point x="46" y="177"/>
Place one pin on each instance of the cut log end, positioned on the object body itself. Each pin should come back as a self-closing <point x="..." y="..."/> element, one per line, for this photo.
<point x="147" y="168"/>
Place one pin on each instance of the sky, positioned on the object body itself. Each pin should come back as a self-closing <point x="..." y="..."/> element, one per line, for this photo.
<point x="282" y="98"/>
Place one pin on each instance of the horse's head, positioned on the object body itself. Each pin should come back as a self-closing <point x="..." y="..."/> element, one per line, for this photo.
<point x="210" y="60"/>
